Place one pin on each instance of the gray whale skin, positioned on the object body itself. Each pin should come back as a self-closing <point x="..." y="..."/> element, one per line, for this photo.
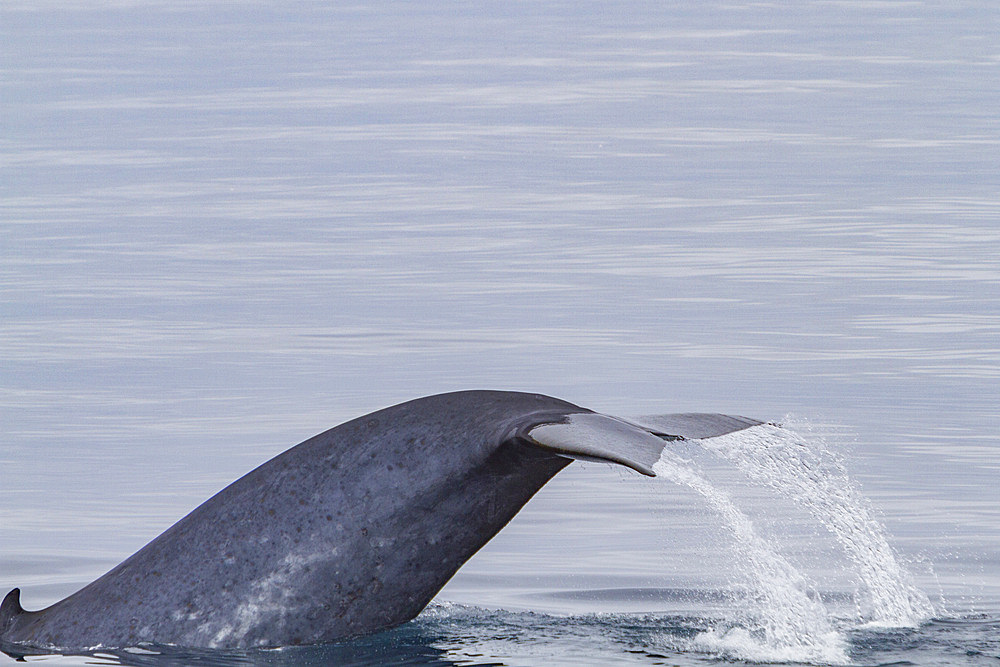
<point x="348" y="533"/>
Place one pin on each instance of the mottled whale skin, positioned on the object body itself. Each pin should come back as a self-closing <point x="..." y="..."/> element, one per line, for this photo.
<point x="350" y="532"/>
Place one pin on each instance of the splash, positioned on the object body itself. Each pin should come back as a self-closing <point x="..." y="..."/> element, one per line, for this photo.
<point x="809" y="474"/>
<point x="780" y="621"/>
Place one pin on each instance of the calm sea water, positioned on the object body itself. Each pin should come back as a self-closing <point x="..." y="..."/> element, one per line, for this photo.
<point x="229" y="226"/>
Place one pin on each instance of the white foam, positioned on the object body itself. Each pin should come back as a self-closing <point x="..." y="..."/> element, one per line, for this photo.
<point x="741" y="644"/>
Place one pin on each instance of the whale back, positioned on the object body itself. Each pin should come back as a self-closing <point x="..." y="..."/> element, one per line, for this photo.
<point x="349" y="532"/>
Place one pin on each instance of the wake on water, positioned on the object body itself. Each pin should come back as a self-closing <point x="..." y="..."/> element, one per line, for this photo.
<point x="782" y="619"/>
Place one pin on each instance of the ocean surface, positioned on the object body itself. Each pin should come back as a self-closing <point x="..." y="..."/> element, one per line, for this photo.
<point x="226" y="227"/>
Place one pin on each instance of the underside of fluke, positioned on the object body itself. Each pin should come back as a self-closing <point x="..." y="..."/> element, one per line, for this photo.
<point x="592" y="436"/>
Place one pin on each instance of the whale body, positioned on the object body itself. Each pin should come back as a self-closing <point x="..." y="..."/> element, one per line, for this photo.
<point x="351" y="532"/>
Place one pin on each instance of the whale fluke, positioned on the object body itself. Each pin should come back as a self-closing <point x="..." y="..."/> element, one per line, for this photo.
<point x="634" y="443"/>
<point x="692" y="425"/>
<point x="597" y="437"/>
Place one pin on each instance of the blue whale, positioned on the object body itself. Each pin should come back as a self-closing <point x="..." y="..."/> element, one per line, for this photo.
<point x="348" y="533"/>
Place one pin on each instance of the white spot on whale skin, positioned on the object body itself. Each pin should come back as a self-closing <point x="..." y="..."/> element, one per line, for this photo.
<point x="179" y="616"/>
<point x="269" y="596"/>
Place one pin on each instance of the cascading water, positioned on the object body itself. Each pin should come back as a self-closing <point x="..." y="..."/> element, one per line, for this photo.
<point x="809" y="474"/>
<point x="781" y="618"/>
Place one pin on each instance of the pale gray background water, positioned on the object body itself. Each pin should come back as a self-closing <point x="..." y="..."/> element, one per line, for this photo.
<point x="229" y="226"/>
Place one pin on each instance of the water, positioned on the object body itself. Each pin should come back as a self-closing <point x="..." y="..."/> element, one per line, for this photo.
<point x="783" y="617"/>
<point x="225" y="228"/>
<point x="779" y="621"/>
<point x="779" y="459"/>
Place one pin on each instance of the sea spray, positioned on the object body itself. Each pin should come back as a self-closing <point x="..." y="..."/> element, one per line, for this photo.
<point x="780" y="620"/>
<point x="808" y="473"/>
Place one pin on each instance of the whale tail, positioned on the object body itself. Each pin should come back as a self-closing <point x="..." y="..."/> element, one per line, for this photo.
<point x="10" y="609"/>
<point x="634" y="443"/>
